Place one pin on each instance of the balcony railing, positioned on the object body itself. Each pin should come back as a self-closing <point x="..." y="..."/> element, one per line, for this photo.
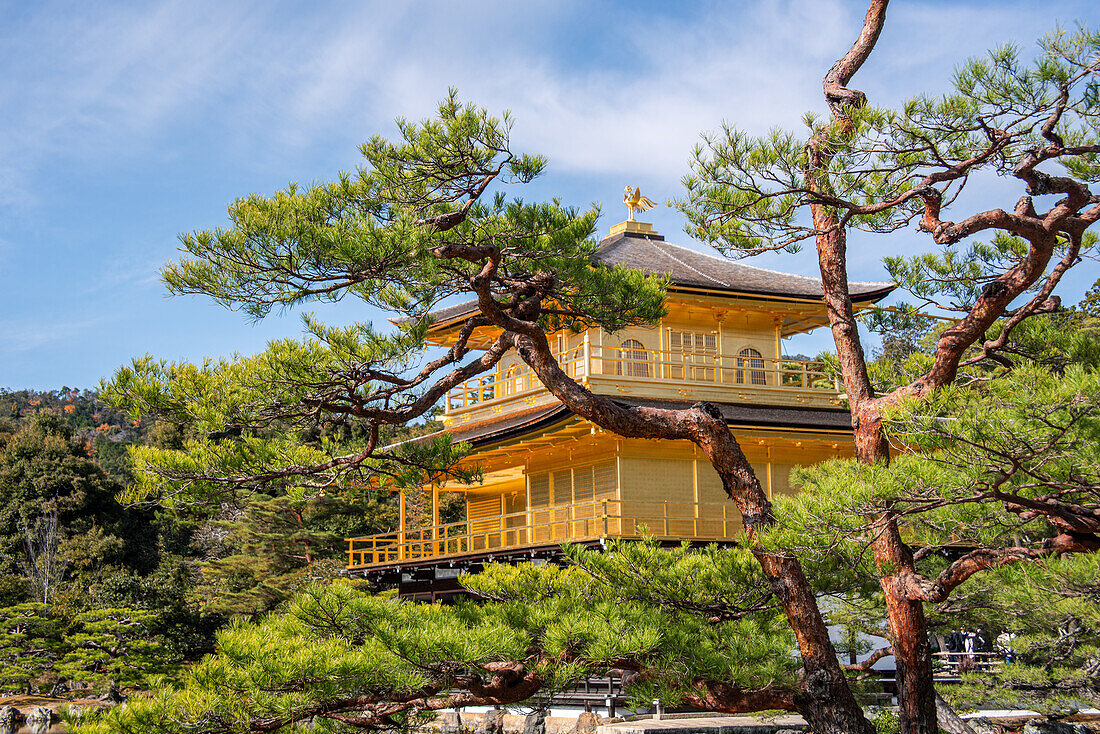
<point x="549" y="526"/>
<point x="666" y="368"/>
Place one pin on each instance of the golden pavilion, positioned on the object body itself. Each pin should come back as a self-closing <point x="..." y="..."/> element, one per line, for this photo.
<point x="551" y="476"/>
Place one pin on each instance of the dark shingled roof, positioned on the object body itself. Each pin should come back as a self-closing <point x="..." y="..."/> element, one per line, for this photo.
<point x="765" y="416"/>
<point x="516" y="424"/>
<point x="691" y="269"/>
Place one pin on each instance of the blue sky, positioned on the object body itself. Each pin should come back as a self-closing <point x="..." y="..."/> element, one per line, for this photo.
<point x="124" y="124"/>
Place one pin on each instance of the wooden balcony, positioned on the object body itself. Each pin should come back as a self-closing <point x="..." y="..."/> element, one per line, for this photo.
<point x="646" y="373"/>
<point x="548" y="526"/>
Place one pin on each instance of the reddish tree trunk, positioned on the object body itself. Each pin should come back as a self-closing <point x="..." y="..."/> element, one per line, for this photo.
<point x="909" y="630"/>
<point x="908" y="627"/>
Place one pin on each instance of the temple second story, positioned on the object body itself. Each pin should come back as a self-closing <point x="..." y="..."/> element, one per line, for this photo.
<point x="720" y="341"/>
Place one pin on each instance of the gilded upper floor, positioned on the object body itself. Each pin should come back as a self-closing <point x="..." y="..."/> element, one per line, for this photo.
<point x="720" y="341"/>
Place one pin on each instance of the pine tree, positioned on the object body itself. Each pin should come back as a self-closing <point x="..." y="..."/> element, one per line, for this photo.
<point x="699" y="626"/>
<point x="880" y="170"/>
<point x="112" y="648"/>
<point x="30" y="644"/>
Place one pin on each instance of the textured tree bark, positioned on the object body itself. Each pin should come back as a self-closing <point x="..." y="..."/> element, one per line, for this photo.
<point x="908" y="627"/>
<point x="950" y="721"/>
<point x="909" y="630"/>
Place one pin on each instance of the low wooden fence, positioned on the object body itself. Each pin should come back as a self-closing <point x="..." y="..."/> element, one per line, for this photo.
<point x="548" y="525"/>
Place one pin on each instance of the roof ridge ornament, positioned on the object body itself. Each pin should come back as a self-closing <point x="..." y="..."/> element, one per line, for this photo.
<point x="634" y="200"/>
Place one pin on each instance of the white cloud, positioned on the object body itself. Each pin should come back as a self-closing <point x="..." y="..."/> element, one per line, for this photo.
<point x="126" y="274"/>
<point x="109" y="81"/>
<point x="646" y="114"/>
<point x="20" y="336"/>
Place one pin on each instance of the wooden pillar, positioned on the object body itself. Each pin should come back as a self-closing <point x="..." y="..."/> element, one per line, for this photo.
<point x="720" y="317"/>
<point x="695" y="490"/>
<point x="777" y="368"/>
<point x="620" y="495"/>
<point x="435" y="518"/>
<point x="778" y="352"/>
<point x="662" y="350"/>
<point x="529" y="532"/>
<point x="587" y="356"/>
<point x="401" y="527"/>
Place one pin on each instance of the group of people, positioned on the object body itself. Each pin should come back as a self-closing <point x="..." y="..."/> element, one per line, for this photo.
<point x="968" y="641"/>
<point x="967" y="648"/>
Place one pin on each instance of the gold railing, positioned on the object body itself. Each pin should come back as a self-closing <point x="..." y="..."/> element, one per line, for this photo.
<point x="548" y="526"/>
<point x="517" y="380"/>
<point x="710" y="367"/>
<point x="662" y="367"/>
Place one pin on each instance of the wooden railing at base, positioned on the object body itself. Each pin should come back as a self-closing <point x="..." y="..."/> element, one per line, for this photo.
<point x="547" y="526"/>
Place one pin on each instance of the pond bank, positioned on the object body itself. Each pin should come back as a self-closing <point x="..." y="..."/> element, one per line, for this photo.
<point x="26" y="704"/>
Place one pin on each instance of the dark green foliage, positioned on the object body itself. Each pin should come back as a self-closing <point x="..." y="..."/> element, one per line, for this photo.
<point x="167" y="592"/>
<point x="1023" y="435"/>
<point x="1046" y="617"/>
<point x="1090" y="304"/>
<point x="46" y="475"/>
<point x="109" y="556"/>
<point x="710" y="610"/>
<point x="335" y="650"/>
<point x="30" y="644"/>
<point x="113" y="647"/>
<point x="274" y="545"/>
<point x="979" y="457"/>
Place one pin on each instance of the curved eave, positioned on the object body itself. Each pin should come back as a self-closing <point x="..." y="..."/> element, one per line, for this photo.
<point x="869" y="297"/>
<point x="739" y="415"/>
<point x="860" y="299"/>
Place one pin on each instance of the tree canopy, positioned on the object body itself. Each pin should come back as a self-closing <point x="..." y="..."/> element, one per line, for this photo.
<point x="424" y="219"/>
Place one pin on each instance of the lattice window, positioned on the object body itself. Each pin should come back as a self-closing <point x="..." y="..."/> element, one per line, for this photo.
<point x="754" y="360"/>
<point x="634" y="360"/>
<point x="697" y="351"/>
<point x="582" y="484"/>
<point x="606" y="478"/>
<point x="540" y="490"/>
<point x="563" y="487"/>
<point x="484" y="516"/>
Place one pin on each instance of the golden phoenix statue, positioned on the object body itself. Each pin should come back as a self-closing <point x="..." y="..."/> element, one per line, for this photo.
<point x="634" y="200"/>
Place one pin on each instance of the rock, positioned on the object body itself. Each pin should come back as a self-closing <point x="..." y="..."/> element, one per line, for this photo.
<point x="535" y="723"/>
<point x="113" y="696"/>
<point x="450" y="722"/>
<point x="493" y="722"/>
<point x="982" y="725"/>
<point x="1048" y="726"/>
<point x="586" y="723"/>
<point x="40" y="715"/>
<point x="10" y="716"/>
